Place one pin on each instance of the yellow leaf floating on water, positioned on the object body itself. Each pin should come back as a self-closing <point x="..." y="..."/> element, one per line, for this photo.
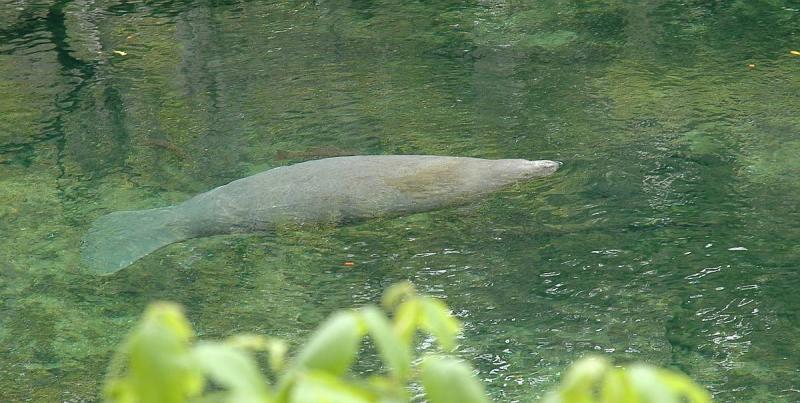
<point x="121" y="53"/>
<point x="794" y="53"/>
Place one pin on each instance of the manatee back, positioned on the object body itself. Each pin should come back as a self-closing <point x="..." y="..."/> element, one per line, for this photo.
<point x="345" y="189"/>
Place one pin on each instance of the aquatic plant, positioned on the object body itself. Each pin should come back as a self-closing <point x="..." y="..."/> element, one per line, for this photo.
<point x="162" y="362"/>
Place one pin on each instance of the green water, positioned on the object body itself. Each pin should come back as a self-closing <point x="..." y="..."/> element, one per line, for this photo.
<point x="674" y="151"/>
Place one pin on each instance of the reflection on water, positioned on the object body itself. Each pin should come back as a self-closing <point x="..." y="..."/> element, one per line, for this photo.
<point x="669" y="236"/>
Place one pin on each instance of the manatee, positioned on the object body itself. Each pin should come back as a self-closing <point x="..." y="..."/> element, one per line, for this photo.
<point x="327" y="191"/>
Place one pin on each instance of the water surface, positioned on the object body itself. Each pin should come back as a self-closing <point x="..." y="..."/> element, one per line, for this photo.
<point x="669" y="236"/>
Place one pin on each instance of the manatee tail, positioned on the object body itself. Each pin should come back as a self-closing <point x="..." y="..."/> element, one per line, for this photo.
<point x="118" y="239"/>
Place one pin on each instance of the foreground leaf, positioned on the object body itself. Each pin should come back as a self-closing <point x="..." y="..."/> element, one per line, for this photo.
<point x="320" y="387"/>
<point x="333" y="345"/>
<point x="406" y="320"/>
<point x="234" y="370"/>
<point x="396" y="294"/>
<point x="594" y="380"/>
<point x="395" y="353"/>
<point x="155" y="364"/>
<point x="437" y="320"/>
<point x="447" y="380"/>
<point x="276" y="348"/>
<point x="662" y="386"/>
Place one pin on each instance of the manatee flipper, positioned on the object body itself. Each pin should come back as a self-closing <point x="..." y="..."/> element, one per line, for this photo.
<point x="118" y="239"/>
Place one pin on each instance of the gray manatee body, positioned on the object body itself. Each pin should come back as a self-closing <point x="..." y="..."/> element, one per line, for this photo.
<point x="332" y="190"/>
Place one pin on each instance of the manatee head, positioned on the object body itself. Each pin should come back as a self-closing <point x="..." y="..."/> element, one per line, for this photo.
<point x="520" y="170"/>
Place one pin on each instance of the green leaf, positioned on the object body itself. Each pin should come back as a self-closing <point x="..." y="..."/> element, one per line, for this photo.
<point x="585" y="373"/>
<point x="275" y="347"/>
<point x="648" y="387"/>
<point x="333" y="346"/>
<point x="398" y="292"/>
<point x="616" y="387"/>
<point x="155" y="364"/>
<point x="449" y="381"/>
<point x="683" y="385"/>
<point x="580" y="381"/>
<point x="437" y="320"/>
<point x="395" y="353"/>
<point x="388" y="390"/>
<point x="662" y="386"/>
<point x="593" y="378"/>
<point x="406" y="319"/>
<point x="320" y="387"/>
<point x="234" y="370"/>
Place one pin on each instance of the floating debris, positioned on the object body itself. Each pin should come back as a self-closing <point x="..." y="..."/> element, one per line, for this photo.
<point x="738" y="248"/>
<point x="794" y="53"/>
<point x="119" y="52"/>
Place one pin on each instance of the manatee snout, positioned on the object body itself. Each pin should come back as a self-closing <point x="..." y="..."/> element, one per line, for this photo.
<point x="532" y="169"/>
<point x="545" y="167"/>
